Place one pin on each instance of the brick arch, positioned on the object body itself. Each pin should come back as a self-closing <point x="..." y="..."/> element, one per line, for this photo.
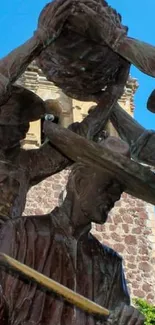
<point x="57" y="107"/>
<point x="53" y="106"/>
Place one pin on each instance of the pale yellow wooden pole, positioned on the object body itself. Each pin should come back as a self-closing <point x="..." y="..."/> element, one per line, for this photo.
<point x="51" y="285"/>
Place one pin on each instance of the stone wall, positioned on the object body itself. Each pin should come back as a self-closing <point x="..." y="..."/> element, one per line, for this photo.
<point x="130" y="230"/>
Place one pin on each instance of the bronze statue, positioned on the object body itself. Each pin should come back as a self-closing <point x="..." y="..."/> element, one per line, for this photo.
<point x="76" y="62"/>
<point x="83" y="74"/>
<point x="139" y="179"/>
<point x="19" y="107"/>
<point x="99" y="17"/>
<point x="19" y="168"/>
<point x="15" y="63"/>
<point x="140" y="140"/>
<point x="60" y="246"/>
<point x="92" y="50"/>
<point x="82" y="47"/>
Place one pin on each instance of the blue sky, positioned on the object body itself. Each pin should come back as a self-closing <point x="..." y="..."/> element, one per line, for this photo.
<point x="18" y="19"/>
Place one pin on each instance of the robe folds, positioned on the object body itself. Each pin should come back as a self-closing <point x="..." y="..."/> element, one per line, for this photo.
<point x="75" y="259"/>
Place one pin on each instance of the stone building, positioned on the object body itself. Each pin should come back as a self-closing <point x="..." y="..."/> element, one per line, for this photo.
<point x="130" y="229"/>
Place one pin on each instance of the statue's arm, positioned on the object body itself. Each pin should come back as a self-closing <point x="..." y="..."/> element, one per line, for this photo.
<point x="49" y="160"/>
<point x="118" y="285"/>
<point x="3" y="309"/>
<point x="97" y="119"/>
<point x="139" y="53"/>
<point x="7" y="246"/>
<point x="127" y="127"/>
<point x="121" y="312"/>
<point x="141" y="141"/>
<point x="15" y="63"/>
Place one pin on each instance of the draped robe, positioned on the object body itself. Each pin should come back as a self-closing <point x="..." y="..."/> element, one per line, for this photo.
<point x="75" y="259"/>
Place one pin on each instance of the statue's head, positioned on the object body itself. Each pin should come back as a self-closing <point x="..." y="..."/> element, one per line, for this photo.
<point x="10" y="136"/>
<point x="21" y="108"/>
<point x="95" y="191"/>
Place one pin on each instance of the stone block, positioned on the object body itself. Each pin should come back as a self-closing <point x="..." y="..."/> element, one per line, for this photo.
<point x="137" y="230"/>
<point x="125" y="228"/>
<point x="138" y="293"/>
<point x="120" y="248"/>
<point x="145" y="266"/>
<point x="130" y="240"/>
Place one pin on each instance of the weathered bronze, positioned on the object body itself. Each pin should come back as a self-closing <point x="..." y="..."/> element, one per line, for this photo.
<point x="92" y="50"/>
<point x="82" y="46"/>
<point x="83" y="74"/>
<point x="79" y="62"/>
<point x="15" y="63"/>
<point x="19" y="168"/>
<point x="140" y="140"/>
<point x="52" y="286"/>
<point x="60" y="246"/>
<point x="138" y="180"/>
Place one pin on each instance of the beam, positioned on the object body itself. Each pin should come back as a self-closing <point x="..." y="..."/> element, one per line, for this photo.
<point x="53" y="286"/>
<point x="138" y="180"/>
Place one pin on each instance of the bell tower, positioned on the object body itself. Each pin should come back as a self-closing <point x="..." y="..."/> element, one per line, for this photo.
<point x="67" y="110"/>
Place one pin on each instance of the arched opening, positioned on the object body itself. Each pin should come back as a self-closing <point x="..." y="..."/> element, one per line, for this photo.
<point x="53" y="107"/>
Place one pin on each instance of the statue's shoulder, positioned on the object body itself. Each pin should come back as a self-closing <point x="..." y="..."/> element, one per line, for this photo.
<point x="31" y="224"/>
<point x="106" y="251"/>
<point x="40" y="224"/>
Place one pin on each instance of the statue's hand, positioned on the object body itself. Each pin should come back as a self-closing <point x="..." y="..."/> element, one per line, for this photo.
<point x="99" y="24"/>
<point x="125" y="315"/>
<point x="52" y="19"/>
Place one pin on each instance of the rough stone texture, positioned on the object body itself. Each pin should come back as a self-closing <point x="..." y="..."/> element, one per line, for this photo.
<point x="44" y="197"/>
<point x="130" y="230"/>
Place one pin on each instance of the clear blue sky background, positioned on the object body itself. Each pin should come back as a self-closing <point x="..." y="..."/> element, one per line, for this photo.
<point x="18" y="19"/>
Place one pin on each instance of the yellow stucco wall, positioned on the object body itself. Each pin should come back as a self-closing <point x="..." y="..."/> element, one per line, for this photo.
<point x="78" y="111"/>
<point x="35" y="130"/>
